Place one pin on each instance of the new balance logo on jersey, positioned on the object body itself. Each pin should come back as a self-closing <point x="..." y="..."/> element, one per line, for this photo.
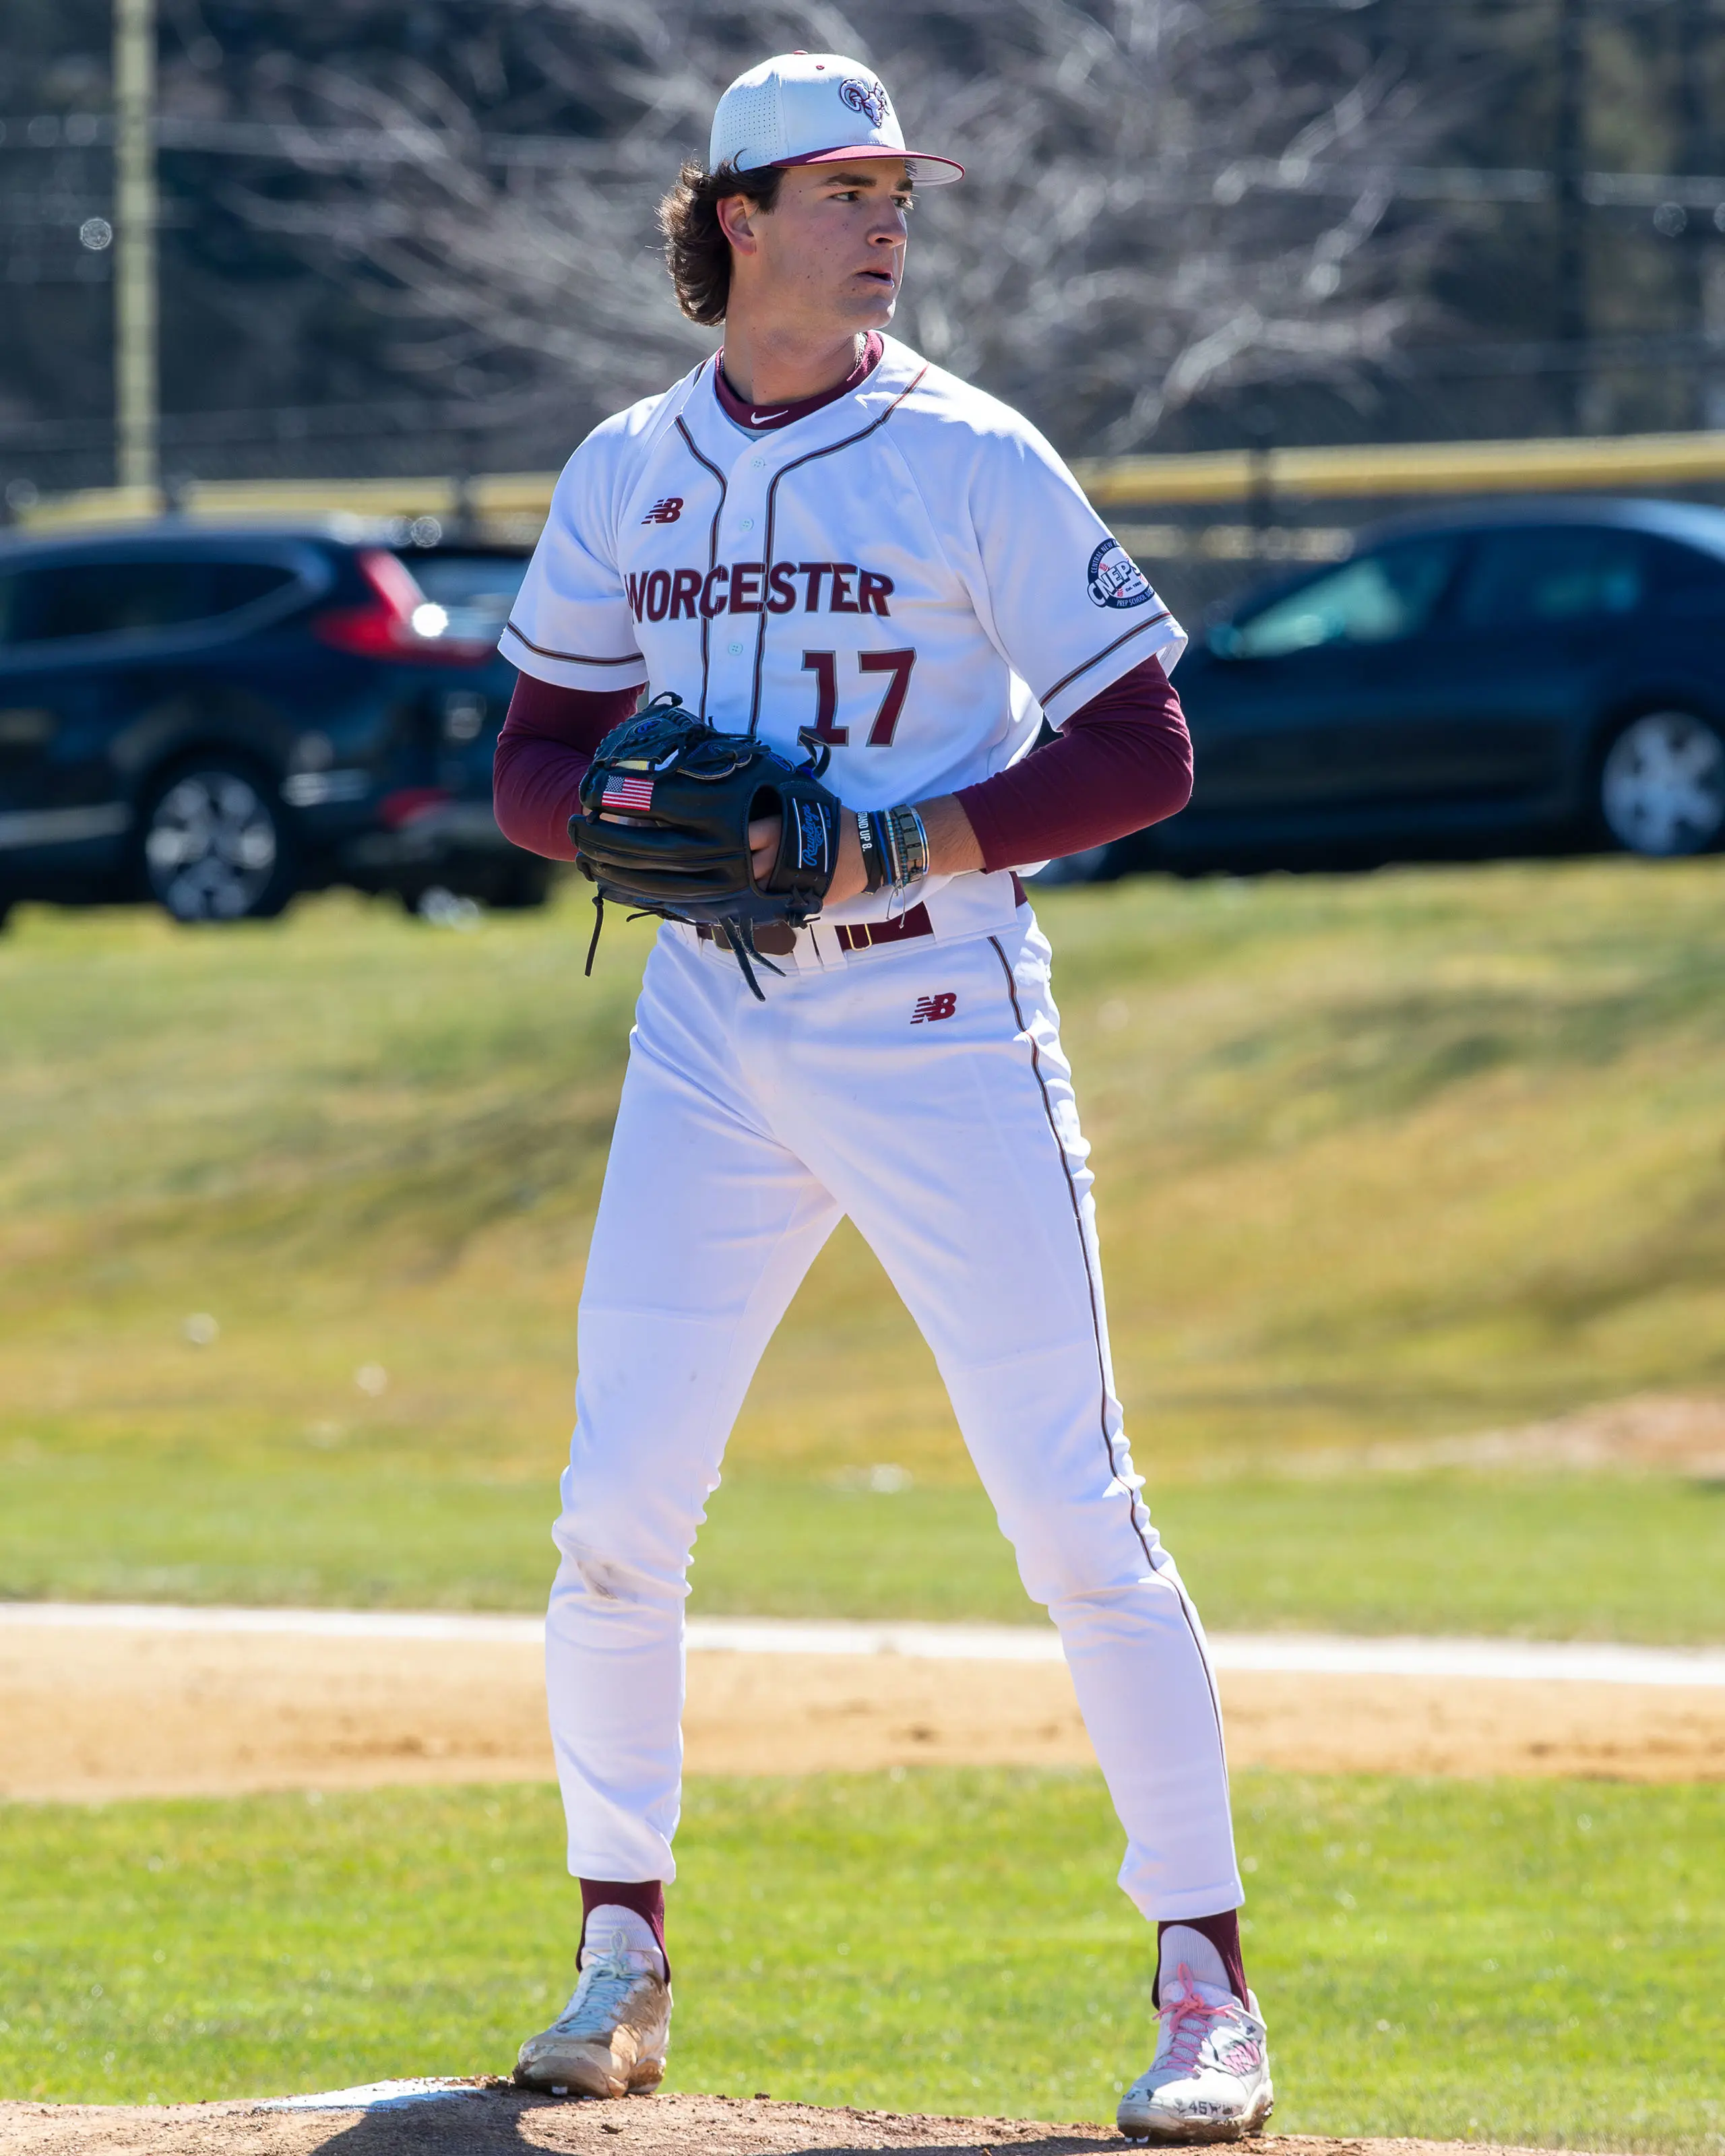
<point x="667" y="511"/>
<point x="933" y="1007"/>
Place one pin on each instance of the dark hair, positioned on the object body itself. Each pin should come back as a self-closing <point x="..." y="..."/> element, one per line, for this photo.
<point x="697" y="252"/>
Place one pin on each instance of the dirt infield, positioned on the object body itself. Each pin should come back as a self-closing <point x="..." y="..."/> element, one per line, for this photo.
<point x="96" y="1714"/>
<point x="493" y="2120"/>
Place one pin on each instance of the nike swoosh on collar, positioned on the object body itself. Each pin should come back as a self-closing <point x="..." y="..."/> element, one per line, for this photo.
<point x="766" y="418"/>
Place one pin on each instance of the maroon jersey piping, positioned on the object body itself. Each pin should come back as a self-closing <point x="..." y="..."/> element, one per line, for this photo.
<point x="784" y="471"/>
<point x="712" y="547"/>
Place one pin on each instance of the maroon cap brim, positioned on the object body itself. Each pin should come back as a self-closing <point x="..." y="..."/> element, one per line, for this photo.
<point x="920" y="161"/>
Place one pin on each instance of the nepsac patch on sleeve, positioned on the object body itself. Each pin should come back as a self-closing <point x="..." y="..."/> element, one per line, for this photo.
<point x="1115" y="580"/>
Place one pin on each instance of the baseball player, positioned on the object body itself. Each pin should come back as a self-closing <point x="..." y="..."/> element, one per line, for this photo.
<point x="817" y="538"/>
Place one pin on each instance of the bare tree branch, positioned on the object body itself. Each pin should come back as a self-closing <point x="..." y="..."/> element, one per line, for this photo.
<point x="1112" y="256"/>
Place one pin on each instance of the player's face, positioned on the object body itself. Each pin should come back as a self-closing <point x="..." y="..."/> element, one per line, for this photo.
<point x="832" y="252"/>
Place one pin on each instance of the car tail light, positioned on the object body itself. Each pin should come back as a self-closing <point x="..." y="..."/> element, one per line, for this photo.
<point x="397" y="622"/>
<point x="409" y="803"/>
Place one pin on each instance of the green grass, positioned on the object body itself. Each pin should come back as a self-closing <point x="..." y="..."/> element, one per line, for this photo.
<point x="1397" y="1155"/>
<point x="1515" y="1962"/>
<point x="1581" y="1558"/>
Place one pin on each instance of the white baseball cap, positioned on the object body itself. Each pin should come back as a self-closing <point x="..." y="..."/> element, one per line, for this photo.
<point x="813" y="108"/>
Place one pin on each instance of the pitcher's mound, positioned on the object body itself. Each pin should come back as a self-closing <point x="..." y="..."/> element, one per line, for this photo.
<point x="488" y="2118"/>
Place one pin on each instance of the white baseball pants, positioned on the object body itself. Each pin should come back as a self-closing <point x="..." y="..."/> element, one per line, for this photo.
<point x="919" y="1087"/>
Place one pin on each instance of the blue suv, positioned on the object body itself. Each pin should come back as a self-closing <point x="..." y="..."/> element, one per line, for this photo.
<point x="217" y="719"/>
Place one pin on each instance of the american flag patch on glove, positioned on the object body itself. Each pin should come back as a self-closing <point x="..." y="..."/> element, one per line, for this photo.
<point x="632" y="794"/>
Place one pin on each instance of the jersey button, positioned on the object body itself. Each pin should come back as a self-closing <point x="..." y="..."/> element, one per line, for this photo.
<point x="746" y="525"/>
<point x="735" y="650"/>
<point x="759" y="463"/>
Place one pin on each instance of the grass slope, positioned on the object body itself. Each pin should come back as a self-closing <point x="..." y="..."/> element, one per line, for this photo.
<point x="1510" y="1962"/>
<point x="1400" y="1154"/>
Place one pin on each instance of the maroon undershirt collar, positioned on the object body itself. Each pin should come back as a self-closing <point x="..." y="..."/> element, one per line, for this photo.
<point x="768" y="418"/>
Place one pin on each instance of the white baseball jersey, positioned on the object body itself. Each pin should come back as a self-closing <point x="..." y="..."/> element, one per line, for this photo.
<point x="911" y="570"/>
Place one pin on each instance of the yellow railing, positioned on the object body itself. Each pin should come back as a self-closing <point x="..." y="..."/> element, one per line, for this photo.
<point x="515" y="503"/>
<point x="498" y="499"/>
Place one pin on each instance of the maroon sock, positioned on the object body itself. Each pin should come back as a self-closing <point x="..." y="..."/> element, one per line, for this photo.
<point x="646" y="1898"/>
<point x="1223" y="1933"/>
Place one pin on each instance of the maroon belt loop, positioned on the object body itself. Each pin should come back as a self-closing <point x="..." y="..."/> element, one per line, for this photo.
<point x="865" y="934"/>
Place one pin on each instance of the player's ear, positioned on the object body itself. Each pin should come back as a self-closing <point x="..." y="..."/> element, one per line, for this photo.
<point x="737" y="214"/>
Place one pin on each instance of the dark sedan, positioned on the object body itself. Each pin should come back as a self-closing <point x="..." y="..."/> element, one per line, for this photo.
<point x="218" y="719"/>
<point x="1548" y="677"/>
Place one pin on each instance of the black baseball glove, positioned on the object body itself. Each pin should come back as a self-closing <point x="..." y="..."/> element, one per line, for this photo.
<point x="666" y="806"/>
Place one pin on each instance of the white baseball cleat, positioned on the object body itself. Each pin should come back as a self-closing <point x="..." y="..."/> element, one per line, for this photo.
<point x="1210" y="2077"/>
<point x="612" y="2037"/>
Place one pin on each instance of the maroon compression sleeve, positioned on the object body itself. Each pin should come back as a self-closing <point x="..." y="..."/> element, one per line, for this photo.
<point x="1123" y="759"/>
<point x="547" y="743"/>
<point x="646" y="1897"/>
<point x="1223" y="1933"/>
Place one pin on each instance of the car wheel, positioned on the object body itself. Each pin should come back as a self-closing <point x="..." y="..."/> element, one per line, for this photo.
<point x="1662" y="784"/>
<point x="215" y="845"/>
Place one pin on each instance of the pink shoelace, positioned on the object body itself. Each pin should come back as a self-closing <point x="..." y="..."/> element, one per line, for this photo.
<point x="1188" y="2021"/>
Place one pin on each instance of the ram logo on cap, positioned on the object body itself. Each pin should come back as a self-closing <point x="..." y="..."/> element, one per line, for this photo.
<point x="865" y="97"/>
